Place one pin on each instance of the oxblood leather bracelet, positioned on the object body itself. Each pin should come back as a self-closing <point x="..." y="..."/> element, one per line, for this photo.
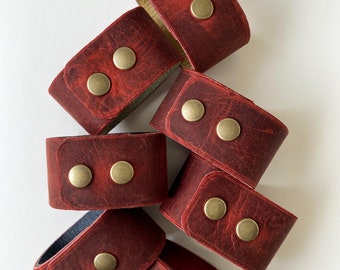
<point x="107" y="172"/>
<point x="115" y="72"/>
<point x="205" y="31"/>
<point x="220" y="125"/>
<point x="225" y="215"/>
<point x="129" y="239"/>
<point x="117" y="239"/>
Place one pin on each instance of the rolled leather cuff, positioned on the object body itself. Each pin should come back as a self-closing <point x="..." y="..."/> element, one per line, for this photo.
<point x="107" y="171"/>
<point x="226" y="216"/>
<point x="117" y="239"/>
<point x="206" y="31"/>
<point x="220" y="125"/>
<point x="115" y="72"/>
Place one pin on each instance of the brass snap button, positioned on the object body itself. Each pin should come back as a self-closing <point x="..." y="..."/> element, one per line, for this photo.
<point x="122" y="172"/>
<point x="98" y="84"/>
<point x="124" y="58"/>
<point x="193" y="110"/>
<point x="202" y="9"/>
<point x="80" y="176"/>
<point x="228" y="129"/>
<point x="215" y="208"/>
<point x="105" y="261"/>
<point x="247" y="230"/>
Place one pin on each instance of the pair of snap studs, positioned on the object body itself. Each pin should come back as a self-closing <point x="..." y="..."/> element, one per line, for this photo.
<point x="99" y="84"/>
<point x="121" y="172"/>
<point x="215" y="209"/>
<point x="227" y="129"/>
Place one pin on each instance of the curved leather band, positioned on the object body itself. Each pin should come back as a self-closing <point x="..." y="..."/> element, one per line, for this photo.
<point x="204" y="42"/>
<point x="131" y="236"/>
<point x="246" y="157"/>
<point x="155" y="59"/>
<point x="196" y="184"/>
<point x="146" y="153"/>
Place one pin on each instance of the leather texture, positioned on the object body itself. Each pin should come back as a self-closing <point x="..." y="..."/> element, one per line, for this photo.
<point x="245" y="158"/>
<point x="146" y="152"/>
<point x="130" y="235"/>
<point x="200" y="181"/>
<point x="156" y="58"/>
<point x="205" y="42"/>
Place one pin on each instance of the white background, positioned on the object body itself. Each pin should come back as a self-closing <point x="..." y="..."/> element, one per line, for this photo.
<point x="290" y="68"/>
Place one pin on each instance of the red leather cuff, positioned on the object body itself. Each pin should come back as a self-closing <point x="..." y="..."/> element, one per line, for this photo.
<point x="187" y="207"/>
<point x="205" y="42"/>
<point x="154" y="56"/>
<point x="245" y="157"/>
<point x="107" y="171"/>
<point x="130" y="236"/>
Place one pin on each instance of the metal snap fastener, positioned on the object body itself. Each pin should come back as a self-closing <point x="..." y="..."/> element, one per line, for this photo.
<point x="247" y="230"/>
<point x="98" y="84"/>
<point x="215" y="208"/>
<point x="228" y="129"/>
<point x="202" y="9"/>
<point x="122" y="172"/>
<point x="105" y="261"/>
<point x="80" y="176"/>
<point x="193" y="110"/>
<point x="124" y="58"/>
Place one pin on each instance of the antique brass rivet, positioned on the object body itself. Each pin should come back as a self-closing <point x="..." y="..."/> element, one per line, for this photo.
<point x="215" y="208"/>
<point x="247" y="230"/>
<point x="122" y="172"/>
<point x="80" y="176"/>
<point x="228" y="129"/>
<point x="105" y="261"/>
<point x="124" y="58"/>
<point x="98" y="84"/>
<point x="202" y="9"/>
<point x="193" y="110"/>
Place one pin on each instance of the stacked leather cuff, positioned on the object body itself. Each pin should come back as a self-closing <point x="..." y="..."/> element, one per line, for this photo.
<point x="232" y="140"/>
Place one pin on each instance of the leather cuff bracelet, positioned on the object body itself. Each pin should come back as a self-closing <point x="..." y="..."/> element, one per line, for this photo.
<point x="115" y="239"/>
<point x="206" y="31"/>
<point x="220" y="125"/>
<point x="115" y="72"/>
<point x="226" y="216"/>
<point x="175" y="257"/>
<point x="107" y="171"/>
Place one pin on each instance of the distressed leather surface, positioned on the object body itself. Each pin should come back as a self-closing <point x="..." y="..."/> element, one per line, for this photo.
<point x="130" y="235"/>
<point x="199" y="182"/>
<point x="146" y="152"/>
<point x="155" y="58"/>
<point x="245" y="158"/>
<point x="205" y="42"/>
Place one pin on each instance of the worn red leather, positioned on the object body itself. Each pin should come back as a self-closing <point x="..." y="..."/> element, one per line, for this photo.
<point x="204" y="42"/>
<point x="196" y="184"/>
<point x="131" y="236"/>
<point x="245" y="158"/>
<point x="156" y="58"/>
<point x="146" y="152"/>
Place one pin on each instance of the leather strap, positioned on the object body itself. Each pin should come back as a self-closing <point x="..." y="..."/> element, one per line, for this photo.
<point x="214" y="39"/>
<point x="245" y="157"/>
<point x="197" y="183"/>
<point x="145" y="152"/>
<point x="131" y="236"/>
<point x="155" y="59"/>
